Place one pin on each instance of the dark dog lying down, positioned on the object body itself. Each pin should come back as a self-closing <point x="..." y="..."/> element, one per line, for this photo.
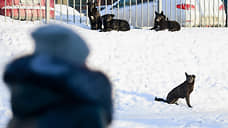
<point x="162" y="23"/>
<point x="110" y="24"/>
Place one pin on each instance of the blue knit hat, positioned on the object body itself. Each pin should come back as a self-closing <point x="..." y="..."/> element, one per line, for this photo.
<point x="60" y="41"/>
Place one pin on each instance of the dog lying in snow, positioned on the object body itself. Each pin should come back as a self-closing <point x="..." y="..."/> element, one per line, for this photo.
<point x="162" y="23"/>
<point x="110" y="24"/>
<point x="182" y="91"/>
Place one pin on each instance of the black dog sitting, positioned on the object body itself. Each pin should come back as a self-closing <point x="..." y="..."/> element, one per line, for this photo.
<point x="182" y="91"/>
<point x="110" y="24"/>
<point x="161" y="23"/>
<point x="94" y="16"/>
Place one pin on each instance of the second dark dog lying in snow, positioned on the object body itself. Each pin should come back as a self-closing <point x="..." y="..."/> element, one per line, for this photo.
<point x="182" y="91"/>
<point x="162" y="23"/>
<point x="110" y="24"/>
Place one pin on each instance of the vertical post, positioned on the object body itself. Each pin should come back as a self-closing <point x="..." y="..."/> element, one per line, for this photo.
<point x="136" y="4"/>
<point x="61" y="2"/>
<point x="218" y="14"/>
<point x="200" y="18"/>
<point x="209" y="11"/>
<point x="185" y="15"/>
<point x="47" y="11"/>
<point x="40" y="11"/>
<point x="170" y="11"/>
<point x="141" y="13"/>
<point x="159" y="6"/>
<point x="166" y="8"/>
<point x="67" y="5"/>
<point x="204" y="12"/>
<point x="106" y="6"/>
<point x="222" y="14"/>
<point x="12" y="9"/>
<point x="124" y="9"/>
<point x="32" y="12"/>
<point x="214" y="13"/>
<point x="195" y="15"/>
<point x="19" y="11"/>
<point x="153" y="12"/>
<point x="148" y="20"/>
<point x="190" y="13"/>
<point x="225" y="8"/>
<point x="5" y="10"/>
<point x="118" y="8"/>
<point x="130" y="12"/>
<point x="112" y="6"/>
<point x="54" y="10"/>
<point x="181" y="15"/>
<point x="226" y="4"/>
<point x="87" y="22"/>
<point x="175" y="10"/>
<point x="80" y="11"/>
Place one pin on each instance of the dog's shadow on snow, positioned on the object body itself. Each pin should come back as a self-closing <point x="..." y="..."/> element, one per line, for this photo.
<point x="146" y="96"/>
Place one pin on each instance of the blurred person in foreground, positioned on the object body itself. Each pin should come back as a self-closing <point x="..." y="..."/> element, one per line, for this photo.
<point x="52" y="88"/>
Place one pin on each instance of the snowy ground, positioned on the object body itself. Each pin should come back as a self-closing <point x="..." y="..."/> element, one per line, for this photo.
<point x="143" y="64"/>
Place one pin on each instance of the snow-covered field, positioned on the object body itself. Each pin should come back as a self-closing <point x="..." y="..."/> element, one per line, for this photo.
<point x="143" y="64"/>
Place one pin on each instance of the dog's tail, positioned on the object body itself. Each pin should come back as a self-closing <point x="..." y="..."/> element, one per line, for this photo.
<point x="152" y="28"/>
<point x="160" y="99"/>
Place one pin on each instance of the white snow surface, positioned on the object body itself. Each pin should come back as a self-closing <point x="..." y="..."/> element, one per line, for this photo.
<point x="142" y="64"/>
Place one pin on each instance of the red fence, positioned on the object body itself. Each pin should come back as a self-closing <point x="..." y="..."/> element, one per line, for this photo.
<point x="25" y="9"/>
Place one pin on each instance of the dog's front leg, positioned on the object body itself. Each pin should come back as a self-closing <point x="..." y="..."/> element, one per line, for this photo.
<point x="102" y="30"/>
<point x="187" y="98"/>
<point x="153" y="28"/>
<point x="157" y="29"/>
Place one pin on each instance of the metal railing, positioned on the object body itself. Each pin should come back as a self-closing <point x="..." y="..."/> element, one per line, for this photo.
<point x="139" y="13"/>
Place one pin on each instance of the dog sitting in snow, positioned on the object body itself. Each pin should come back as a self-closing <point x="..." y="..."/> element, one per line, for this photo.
<point x="94" y="16"/>
<point x="162" y="23"/>
<point x="182" y="91"/>
<point x="110" y="24"/>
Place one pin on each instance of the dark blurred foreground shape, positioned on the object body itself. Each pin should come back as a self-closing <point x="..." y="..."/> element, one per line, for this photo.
<point x="52" y="88"/>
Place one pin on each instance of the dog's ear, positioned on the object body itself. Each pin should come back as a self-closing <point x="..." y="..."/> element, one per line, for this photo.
<point x="112" y="15"/>
<point x="186" y="74"/>
<point x="105" y="18"/>
<point x="96" y="3"/>
<point x="156" y="13"/>
<point x="162" y="13"/>
<point x="108" y="17"/>
<point x="194" y="76"/>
